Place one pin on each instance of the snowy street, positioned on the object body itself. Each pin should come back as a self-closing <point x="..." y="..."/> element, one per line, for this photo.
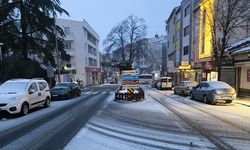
<point x="165" y="121"/>
<point x="162" y="121"/>
<point x="53" y="127"/>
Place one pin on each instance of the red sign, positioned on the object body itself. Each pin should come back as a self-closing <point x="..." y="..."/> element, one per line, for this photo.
<point x="248" y="75"/>
<point x="89" y="69"/>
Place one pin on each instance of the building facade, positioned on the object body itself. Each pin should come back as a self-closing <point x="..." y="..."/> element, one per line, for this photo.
<point x="82" y="44"/>
<point x="173" y="29"/>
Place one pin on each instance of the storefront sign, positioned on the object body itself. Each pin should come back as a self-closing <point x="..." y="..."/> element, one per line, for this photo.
<point x="248" y="75"/>
<point x="185" y="67"/>
<point x="89" y="69"/>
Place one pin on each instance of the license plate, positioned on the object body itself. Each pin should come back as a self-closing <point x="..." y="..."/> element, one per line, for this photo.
<point x="54" y="95"/>
<point x="227" y="97"/>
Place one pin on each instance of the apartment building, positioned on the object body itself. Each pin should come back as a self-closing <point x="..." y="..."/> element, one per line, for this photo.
<point x="173" y="29"/>
<point x="155" y="51"/>
<point x="82" y="44"/>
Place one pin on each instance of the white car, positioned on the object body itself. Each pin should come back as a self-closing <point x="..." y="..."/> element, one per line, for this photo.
<point x="21" y="95"/>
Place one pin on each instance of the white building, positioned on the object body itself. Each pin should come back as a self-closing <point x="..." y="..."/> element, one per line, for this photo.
<point x="82" y="44"/>
<point x="155" y="52"/>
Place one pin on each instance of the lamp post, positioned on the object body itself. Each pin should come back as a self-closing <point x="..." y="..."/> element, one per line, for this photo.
<point x="1" y="56"/>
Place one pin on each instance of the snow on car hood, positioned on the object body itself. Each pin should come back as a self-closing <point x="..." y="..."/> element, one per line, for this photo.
<point x="8" y="97"/>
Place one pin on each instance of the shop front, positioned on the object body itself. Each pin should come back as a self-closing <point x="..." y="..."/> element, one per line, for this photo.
<point x="243" y="78"/>
<point x="93" y="76"/>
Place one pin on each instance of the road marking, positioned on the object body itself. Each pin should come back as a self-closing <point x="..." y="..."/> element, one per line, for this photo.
<point x="95" y="92"/>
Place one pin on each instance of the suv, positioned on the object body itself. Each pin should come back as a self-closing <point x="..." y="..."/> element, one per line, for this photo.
<point x="21" y="95"/>
<point x="165" y="83"/>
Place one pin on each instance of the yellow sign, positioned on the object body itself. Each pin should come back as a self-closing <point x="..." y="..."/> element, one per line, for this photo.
<point x="185" y="67"/>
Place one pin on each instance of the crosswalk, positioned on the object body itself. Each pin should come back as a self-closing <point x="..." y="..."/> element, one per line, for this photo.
<point x="97" y="92"/>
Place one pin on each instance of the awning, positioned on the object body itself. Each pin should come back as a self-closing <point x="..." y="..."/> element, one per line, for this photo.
<point x="90" y="69"/>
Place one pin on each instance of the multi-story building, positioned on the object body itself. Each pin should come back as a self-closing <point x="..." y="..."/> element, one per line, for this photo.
<point x="82" y="44"/>
<point x="173" y="29"/>
<point x="155" y="50"/>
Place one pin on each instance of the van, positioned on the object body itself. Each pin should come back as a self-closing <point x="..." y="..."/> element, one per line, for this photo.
<point x="165" y="83"/>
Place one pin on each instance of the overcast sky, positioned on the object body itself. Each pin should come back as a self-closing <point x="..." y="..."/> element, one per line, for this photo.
<point x="102" y="15"/>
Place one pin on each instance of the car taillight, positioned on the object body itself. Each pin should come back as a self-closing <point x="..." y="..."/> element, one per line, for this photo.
<point x="213" y="92"/>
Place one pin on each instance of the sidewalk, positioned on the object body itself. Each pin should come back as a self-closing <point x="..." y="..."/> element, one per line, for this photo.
<point x="242" y="101"/>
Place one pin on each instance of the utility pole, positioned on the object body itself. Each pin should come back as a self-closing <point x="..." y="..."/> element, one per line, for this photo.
<point x="57" y="51"/>
<point x="1" y="55"/>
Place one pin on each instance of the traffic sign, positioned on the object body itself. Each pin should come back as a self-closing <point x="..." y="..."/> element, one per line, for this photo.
<point x="130" y="77"/>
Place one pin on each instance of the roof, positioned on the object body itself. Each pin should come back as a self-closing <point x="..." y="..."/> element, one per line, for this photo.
<point x="241" y="46"/>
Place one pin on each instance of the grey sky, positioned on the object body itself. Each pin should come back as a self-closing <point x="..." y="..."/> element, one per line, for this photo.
<point x="102" y="15"/>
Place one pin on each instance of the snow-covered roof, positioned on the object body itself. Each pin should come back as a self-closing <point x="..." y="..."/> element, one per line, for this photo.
<point x="242" y="41"/>
<point x="241" y="46"/>
<point x="242" y="50"/>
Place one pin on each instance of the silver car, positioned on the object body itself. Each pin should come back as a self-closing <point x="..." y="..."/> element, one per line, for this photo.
<point x="214" y="92"/>
<point x="184" y="88"/>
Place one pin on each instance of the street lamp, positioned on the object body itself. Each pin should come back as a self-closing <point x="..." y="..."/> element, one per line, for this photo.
<point x="1" y="56"/>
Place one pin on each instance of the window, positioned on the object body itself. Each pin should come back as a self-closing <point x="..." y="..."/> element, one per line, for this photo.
<point x="66" y="30"/>
<point x="92" y="50"/>
<point x="67" y="45"/>
<point x="91" y="38"/>
<point x="186" y="10"/>
<point x="186" y="49"/>
<point x="92" y="62"/>
<point x="186" y="31"/>
<point x="33" y="88"/>
<point x="42" y="85"/>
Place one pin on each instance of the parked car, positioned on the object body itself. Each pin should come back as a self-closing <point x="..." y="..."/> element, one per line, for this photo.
<point x="214" y="92"/>
<point x="165" y="83"/>
<point x="21" y="95"/>
<point x="185" y="87"/>
<point x="154" y="83"/>
<point x="66" y="90"/>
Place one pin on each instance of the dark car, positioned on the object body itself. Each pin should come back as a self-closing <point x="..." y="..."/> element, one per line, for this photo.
<point x="65" y="90"/>
<point x="214" y="92"/>
<point x="154" y="83"/>
<point x="185" y="87"/>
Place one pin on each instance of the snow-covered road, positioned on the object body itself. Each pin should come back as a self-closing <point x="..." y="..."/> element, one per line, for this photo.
<point x="151" y="125"/>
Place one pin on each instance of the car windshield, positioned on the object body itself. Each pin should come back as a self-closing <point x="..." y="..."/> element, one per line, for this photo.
<point x="219" y="85"/>
<point x="13" y="87"/>
<point x="62" y="86"/>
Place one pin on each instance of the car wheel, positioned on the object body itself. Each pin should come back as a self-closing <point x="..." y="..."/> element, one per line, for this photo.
<point x="183" y="93"/>
<point x="175" y="92"/>
<point x="192" y="96"/>
<point x="229" y="101"/>
<point x="24" y="109"/>
<point x="79" y="93"/>
<point x="69" y="96"/>
<point x="47" y="102"/>
<point x="205" y="100"/>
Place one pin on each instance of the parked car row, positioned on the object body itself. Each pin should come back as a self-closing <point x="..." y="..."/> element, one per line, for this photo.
<point x="21" y="95"/>
<point x="211" y="92"/>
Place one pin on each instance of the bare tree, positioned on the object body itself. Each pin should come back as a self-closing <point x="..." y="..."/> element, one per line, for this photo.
<point x="125" y="36"/>
<point x="230" y="20"/>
